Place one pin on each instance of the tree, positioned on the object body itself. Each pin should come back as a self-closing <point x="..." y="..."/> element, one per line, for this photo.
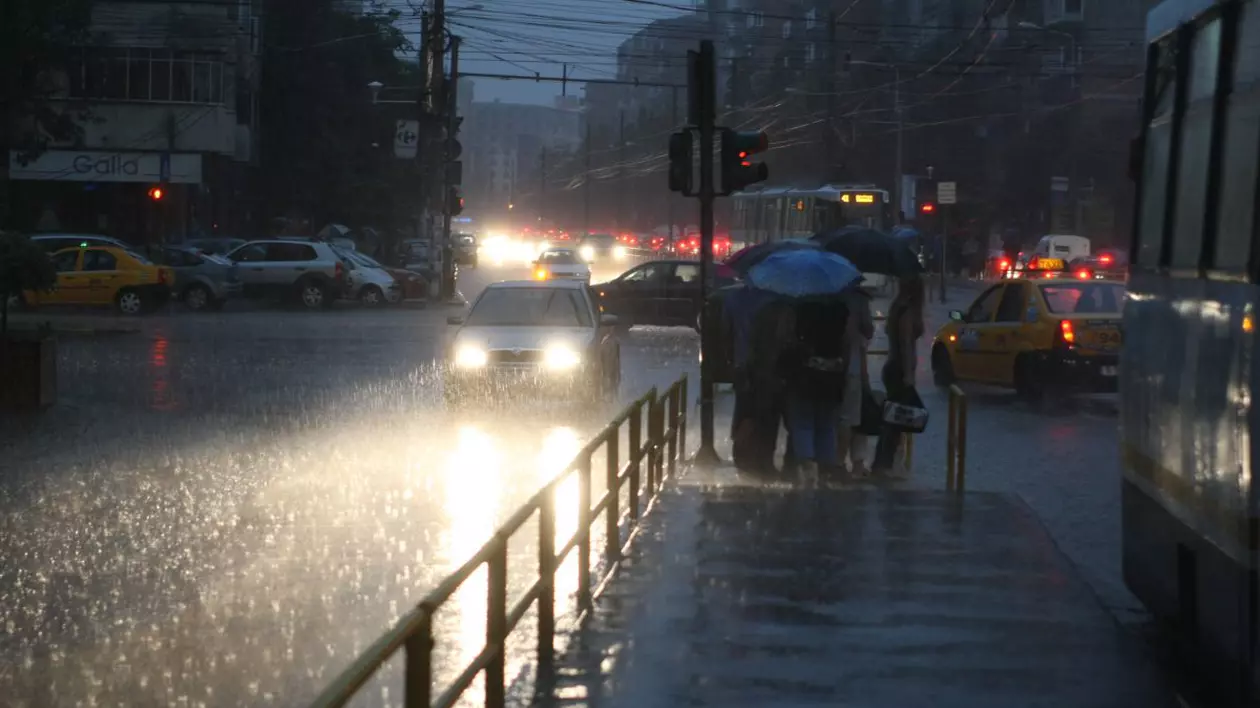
<point x="37" y="37"/>
<point x="326" y="148"/>
<point x="24" y="266"/>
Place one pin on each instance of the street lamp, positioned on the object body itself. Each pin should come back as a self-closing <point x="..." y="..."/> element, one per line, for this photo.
<point x="375" y="88"/>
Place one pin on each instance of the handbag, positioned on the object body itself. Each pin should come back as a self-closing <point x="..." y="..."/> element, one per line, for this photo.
<point x="905" y="412"/>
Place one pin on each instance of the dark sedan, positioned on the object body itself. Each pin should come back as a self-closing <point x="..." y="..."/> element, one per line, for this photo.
<point x="660" y="293"/>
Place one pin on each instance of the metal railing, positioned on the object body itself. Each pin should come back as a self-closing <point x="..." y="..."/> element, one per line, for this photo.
<point x="657" y="456"/>
<point x="956" y="441"/>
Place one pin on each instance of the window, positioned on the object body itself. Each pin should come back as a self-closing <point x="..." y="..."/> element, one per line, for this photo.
<point x="983" y="308"/>
<point x="96" y="260"/>
<point x="1011" y="308"/>
<point x="687" y="273"/>
<point x="647" y="274"/>
<point x="756" y="19"/>
<point x="1085" y="298"/>
<point x="1064" y="10"/>
<point x="285" y="252"/>
<point x="787" y="29"/>
<point x="143" y="74"/>
<point x="811" y="53"/>
<point x="248" y="254"/>
<point x="1157" y="150"/>
<point x="1190" y="201"/>
<point x="66" y="261"/>
<point x="1236" y="214"/>
<point x="811" y="19"/>
<point x="530" y="307"/>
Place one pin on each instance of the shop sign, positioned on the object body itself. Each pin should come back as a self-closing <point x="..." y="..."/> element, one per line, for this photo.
<point x="102" y="166"/>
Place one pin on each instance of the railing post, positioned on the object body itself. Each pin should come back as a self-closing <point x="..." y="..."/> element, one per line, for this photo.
<point x="418" y="672"/>
<point x="961" y="479"/>
<point x="612" y="514"/>
<point x="951" y="432"/>
<point x="496" y="623"/>
<point x="547" y="587"/>
<point x="670" y="425"/>
<point x="657" y="422"/>
<point x="584" y="533"/>
<point x="636" y="447"/>
<point x="683" y="403"/>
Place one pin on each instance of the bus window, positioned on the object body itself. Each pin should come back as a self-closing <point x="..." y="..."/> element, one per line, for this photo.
<point x="1236" y="215"/>
<point x="1194" y="152"/>
<point x="826" y="215"/>
<point x="1154" y="192"/>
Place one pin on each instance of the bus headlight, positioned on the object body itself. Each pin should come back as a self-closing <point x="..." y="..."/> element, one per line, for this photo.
<point x="470" y="357"/>
<point x="559" y="357"/>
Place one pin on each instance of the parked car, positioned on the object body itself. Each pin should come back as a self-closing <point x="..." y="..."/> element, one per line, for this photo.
<point x="203" y="281"/>
<point x="369" y="282"/>
<point x="312" y="272"/>
<point x="219" y="245"/>
<point x="51" y="243"/>
<point x="664" y="293"/>
<point x="106" y="275"/>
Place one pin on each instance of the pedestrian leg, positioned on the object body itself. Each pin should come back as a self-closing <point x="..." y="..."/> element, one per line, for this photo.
<point x="826" y="417"/>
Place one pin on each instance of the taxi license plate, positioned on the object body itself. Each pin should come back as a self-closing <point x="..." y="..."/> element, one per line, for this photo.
<point x="1108" y="371"/>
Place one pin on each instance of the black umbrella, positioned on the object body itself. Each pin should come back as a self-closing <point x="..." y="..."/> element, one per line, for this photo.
<point x="744" y="259"/>
<point x="871" y="251"/>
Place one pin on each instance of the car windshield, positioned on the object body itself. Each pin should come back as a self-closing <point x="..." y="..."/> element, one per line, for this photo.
<point x="530" y="307"/>
<point x="598" y="238"/>
<point x="1084" y="298"/>
<point x="559" y="258"/>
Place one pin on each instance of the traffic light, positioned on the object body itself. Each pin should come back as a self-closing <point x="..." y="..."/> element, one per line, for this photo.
<point x="680" y="149"/>
<point x="156" y="193"/>
<point x="455" y="203"/>
<point x="738" y="169"/>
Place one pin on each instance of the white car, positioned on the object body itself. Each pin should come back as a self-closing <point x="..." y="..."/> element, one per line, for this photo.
<point x="369" y="282"/>
<point x="547" y="338"/>
<point x="561" y="264"/>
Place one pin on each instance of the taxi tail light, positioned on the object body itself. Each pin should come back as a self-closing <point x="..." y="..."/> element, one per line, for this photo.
<point x="1004" y="264"/>
<point x="1066" y="335"/>
<point x="1084" y="274"/>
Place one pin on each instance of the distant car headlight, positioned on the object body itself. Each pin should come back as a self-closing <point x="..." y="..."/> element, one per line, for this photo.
<point x="470" y="357"/>
<point x="620" y="252"/>
<point x="587" y="253"/>
<point x="561" y="357"/>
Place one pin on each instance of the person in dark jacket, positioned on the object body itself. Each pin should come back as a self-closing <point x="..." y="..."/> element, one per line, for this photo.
<point x="905" y="328"/>
<point x="815" y="370"/>
<point x="754" y="424"/>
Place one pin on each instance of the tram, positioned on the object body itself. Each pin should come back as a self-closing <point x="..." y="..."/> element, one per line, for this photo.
<point x="775" y="213"/>
<point x="1190" y="510"/>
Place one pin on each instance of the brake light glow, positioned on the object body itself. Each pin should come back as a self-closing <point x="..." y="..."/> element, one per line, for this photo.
<point x="1066" y="331"/>
<point x="1049" y="274"/>
<point x="1033" y="263"/>
<point x="1084" y="274"/>
<point x="1104" y="259"/>
<point x="1004" y="264"/>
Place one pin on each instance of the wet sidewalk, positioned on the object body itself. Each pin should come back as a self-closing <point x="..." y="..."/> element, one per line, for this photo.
<point x="763" y="596"/>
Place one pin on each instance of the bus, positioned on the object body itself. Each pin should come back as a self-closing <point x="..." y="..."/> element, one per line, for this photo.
<point x="1190" y="513"/>
<point x="775" y="213"/>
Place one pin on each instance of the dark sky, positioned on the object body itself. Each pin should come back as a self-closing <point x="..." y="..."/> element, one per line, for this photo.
<point x="524" y="37"/>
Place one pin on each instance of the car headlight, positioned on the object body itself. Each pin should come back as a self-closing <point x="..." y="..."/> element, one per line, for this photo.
<point x="620" y="252"/>
<point x="469" y="357"/>
<point x="587" y="253"/>
<point x="562" y="357"/>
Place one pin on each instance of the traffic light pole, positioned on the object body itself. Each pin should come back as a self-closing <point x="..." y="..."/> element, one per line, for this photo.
<point x="705" y="77"/>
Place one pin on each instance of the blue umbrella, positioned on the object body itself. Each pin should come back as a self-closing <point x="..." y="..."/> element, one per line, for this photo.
<point x="744" y="259"/>
<point x="905" y="232"/>
<point x="804" y="274"/>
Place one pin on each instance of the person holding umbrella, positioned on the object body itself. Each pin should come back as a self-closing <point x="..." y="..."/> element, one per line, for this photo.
<point x="905" y="328"/>
<point x="811" y="351"/>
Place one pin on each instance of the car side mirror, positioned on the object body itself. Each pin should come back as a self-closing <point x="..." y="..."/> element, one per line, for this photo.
<point x="455" y="320"/>
<point x="956" y="315"/>
<point x="608" y="320"/>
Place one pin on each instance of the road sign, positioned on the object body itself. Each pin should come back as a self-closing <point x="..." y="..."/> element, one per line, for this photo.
<point x="406" y="136"/>
<point x="946" y="192"/>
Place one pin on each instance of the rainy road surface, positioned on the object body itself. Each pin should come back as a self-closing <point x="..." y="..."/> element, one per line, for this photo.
<point x="225" y="510"/>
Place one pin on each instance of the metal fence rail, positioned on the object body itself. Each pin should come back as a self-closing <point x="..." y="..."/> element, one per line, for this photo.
<point x="657" y="456"/>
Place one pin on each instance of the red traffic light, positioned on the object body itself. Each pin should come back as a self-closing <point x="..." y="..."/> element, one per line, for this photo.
<point x="156" y="193"/>
<point x="928" y="208"/>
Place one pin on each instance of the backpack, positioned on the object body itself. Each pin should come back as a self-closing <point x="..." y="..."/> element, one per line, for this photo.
<point x="820" y="360"/>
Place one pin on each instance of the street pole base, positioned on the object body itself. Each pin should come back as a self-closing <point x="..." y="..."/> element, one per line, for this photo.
<point x="706" y="457"/>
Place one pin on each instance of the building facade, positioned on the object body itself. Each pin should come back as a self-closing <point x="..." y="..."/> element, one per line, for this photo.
<point x="505" y="146"/>
<point x="166" y="100"/>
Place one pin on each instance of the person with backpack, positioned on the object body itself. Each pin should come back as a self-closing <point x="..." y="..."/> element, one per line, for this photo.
<point x="815" y="368"/>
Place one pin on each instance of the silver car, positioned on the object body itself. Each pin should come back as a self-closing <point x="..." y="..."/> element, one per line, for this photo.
<point x="203" y="281"/>
<point x="542" y="337"/>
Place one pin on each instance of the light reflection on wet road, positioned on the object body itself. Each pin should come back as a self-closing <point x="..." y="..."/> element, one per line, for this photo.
<point x="226" y="510"/>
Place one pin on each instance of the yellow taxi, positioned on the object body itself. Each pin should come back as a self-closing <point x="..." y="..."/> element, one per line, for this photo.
<point x="1035" y="335"/>
<point x="106" y="275"/>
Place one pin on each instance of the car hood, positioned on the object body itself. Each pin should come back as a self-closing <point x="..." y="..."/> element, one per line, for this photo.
<point x="491" y="338"/>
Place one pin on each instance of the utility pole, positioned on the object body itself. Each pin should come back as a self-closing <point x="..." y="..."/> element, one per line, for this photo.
<point x="669" y="201"/>
<point x="542" y="183"/>
<point x="901" y="140"/>
<point x="586" y="182"/>
<point x="451" y="107"/>
<point x="829" y="125"/>
<point x="621" y="166"/>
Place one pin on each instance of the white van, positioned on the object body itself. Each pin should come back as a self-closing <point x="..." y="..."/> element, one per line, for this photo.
<point x="1063" y="247"/>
